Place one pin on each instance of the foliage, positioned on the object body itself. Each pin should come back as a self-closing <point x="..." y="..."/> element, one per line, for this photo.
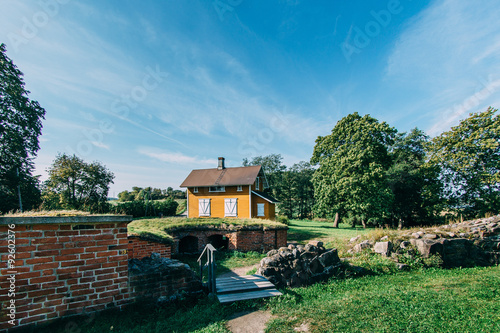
<point x="282" y="219"/>
<point x="353" y="161"/>
<point x="146" y="208"/>
<point x="20" y="127"/>
<point x="292" y="187"/>
<point x="469" y="156"/>
<point x="415" y="184"/>
<point x="149" y="193"/>
<point x="75" y="184"/>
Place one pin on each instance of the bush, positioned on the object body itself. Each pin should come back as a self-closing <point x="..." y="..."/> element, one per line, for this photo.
<point x="146" y="208"/>
<point x="282" y="219"/>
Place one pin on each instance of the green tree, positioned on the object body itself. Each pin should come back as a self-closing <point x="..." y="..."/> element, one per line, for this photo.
<point x="20" y="127"/>
<point x="353" y="161"/>
<point x="469" y="156"/>
<point x="273" y="169"/>
<point x="77" y="185"/>
<point x="415" y="183"/>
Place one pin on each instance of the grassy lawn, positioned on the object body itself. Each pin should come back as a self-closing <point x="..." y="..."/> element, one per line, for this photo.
<point x="434" y="300"/>
<point x="422" y="300"/>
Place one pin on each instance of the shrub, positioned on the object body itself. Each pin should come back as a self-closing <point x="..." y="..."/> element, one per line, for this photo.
<point x="282" y="219"/>
<point x="146" y="208"/>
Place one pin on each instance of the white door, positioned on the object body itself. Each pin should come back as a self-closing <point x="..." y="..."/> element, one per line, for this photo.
<point x="230" y="207"/>
<point x="204" y="207"/>
<point x="260" y="209"/>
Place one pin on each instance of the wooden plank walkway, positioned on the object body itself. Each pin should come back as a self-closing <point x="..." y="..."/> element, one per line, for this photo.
<point x="239" y="288"/>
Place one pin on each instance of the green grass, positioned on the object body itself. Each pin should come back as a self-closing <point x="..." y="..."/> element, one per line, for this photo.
<point x="226" y="261"/>
<point x="181" y="208"/>
<point x="159" y="228"/>
<point x="458" y="300"/>
<point x="302" y="231"/>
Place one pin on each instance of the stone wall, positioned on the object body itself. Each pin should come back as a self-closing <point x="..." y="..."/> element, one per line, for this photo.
<point x="156" y="279"/>
<point x="475" y="242"/>
<point x="296" y="266"/>
<point x="139" y="248"/>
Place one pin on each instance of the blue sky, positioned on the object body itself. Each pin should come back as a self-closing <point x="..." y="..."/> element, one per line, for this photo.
<point x="154" y="89"/>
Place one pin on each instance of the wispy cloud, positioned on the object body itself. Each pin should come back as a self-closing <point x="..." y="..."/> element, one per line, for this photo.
<point x="176" y="158"/>
<point x="448" y="52"/>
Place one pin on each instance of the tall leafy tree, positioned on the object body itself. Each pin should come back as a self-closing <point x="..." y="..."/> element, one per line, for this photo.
<point x="469" y="156"/>
<point x="273" y="168"/>
<point x="75" y="184"/>
<point x="415" y="183"/>
<point x="20" y="127"/>
<point x="353" y="161"/>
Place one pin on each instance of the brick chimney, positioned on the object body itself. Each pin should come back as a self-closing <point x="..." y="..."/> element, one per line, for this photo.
<point x="221" y="164"/>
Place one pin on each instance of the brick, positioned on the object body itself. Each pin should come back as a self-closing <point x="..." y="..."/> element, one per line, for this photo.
<point x="72" y="263"/>
<point x="44" y="266"/>
<point x="72" y="251"/>
<point x="44" y="292"/>
<point x="66" y="257"/>
<point x="38" y="260"/>
<point x="47" y="227"/>
<point x="46" y="253"/>
<point x="43" y="279"/>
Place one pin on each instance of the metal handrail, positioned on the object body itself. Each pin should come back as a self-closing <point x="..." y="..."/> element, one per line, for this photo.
<point x="210" y="251"/>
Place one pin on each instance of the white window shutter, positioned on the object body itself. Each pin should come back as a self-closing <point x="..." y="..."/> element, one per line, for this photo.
<point x="204" y="207"/>
<point x="260" y="209"/>
<point x="230" y="207"/>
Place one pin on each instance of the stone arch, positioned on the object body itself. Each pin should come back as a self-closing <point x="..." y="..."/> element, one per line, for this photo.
<point x="188" y="244"/>
<point x="220" y="242"/>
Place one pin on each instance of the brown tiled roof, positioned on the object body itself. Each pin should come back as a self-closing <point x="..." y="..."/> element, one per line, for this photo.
<point x="224" y="177"/>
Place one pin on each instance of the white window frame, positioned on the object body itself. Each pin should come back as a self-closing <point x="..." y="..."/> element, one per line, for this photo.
<point x="195" y="189"/>
<point x="217" y="189"/>
<point x="257" y="184"/>
<point x="262" y="209"/>
<point x="239" y="188"/>
<point x="207" y="211"/>
<point x="227" y="203"/>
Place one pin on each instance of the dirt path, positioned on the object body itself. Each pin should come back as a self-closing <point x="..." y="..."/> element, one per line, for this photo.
<point x="240" y="271"/>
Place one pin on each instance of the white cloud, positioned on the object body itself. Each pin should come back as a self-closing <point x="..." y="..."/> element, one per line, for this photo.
<point x="449" y="53"/>
<point x="176" y="158"/>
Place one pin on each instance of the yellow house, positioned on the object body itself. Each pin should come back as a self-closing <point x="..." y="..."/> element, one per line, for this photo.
<point x="229" y="192"/>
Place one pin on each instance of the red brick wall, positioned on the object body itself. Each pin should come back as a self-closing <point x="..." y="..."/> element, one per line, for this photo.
<point x="243" y="240"/>
<point x="64" y="267"/>
<point x="139" y="248"/>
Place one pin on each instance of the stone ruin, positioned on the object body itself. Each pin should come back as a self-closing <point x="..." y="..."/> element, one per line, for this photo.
<point x="475" y="242"/>
<point x="296" y="266"/>
<point x="159" y="279"/>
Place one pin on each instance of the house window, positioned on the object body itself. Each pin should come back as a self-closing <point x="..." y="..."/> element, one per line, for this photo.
<point x="260" y="209"/>
<point x="204" y="207"/>
<point x="230" y="207"/>
<point x="195" y="189"/>
<point x="257" y="187"/>
<point x="217" y="189"/>
<point x="239" y="188"/>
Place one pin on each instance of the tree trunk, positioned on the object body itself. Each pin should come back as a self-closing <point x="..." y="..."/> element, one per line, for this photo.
<point x="363" y="223"/>
<point x="400" y="224"/>
<point x="337" y="220"/>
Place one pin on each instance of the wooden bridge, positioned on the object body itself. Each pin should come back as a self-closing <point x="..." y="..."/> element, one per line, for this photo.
<point x="235" y="288"/>
<point x="239" y="288"/>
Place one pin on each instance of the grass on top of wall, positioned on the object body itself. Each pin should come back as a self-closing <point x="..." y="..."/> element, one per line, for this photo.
<point x="158" y="229"/>
<point x="49" y="213"/>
